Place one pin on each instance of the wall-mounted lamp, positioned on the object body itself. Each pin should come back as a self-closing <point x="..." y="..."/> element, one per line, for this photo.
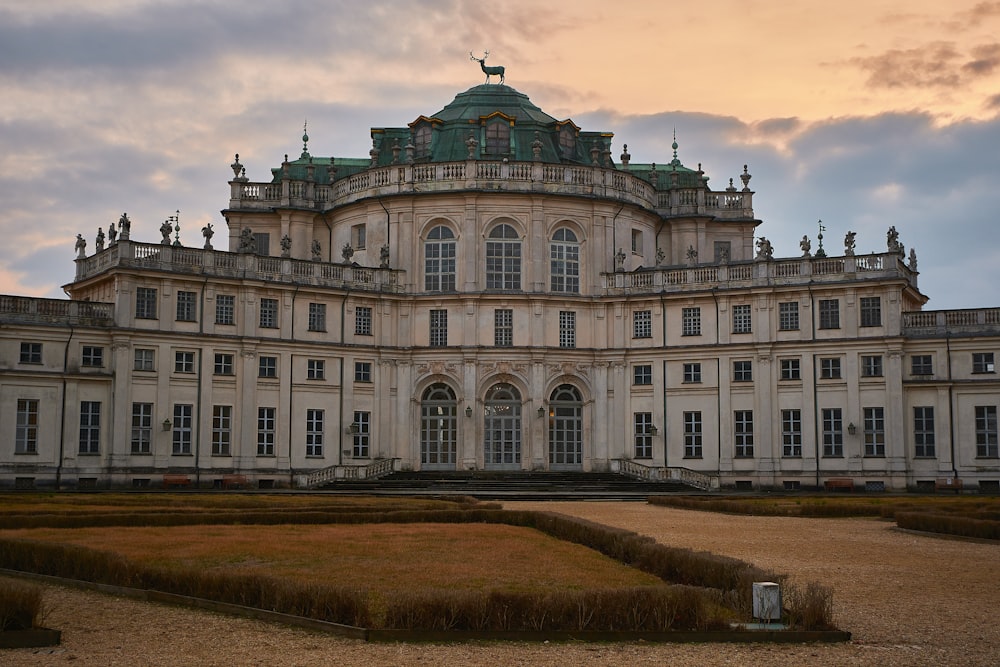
<point x="541" y="410"/>
<point x="653" y="430"/>
<point x="166" y="424"/>
<point x="353" y="429"/>
<point x="852" y="429"/>
<point x="468" y="411"/>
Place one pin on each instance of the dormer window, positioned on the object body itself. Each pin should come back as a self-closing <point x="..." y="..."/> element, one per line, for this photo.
<point x="422" y="140"/>
<point x="497" y="138"/>
<point x="567" y="141"/>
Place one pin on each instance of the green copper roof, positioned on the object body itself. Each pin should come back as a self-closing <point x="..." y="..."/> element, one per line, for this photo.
<point x="486" y="99"/>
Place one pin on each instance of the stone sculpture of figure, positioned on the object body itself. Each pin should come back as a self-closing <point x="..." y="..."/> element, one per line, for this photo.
<point x="383" y="256"/>
<point x="913" y="260"/>
<point x="806" y="246"/>
<point x="112" y="234"/>
<point x="81" y="246"/>
<point x="849" y="244"/>
<point x="471" y="144"/>
<point x="620" y="260"/>
<point x="317" y="251"/>
<point x="892" y="239"/>
<point x="692" y="255"/>
<point x="125" y="226"/>
<point x="660" y="256"/>
<point x="165" y="230"/>
<point x="286" y="246"/>
<point x="247" y="242"/>
<point x="208" y="233"/>
<point x="764" y="249"/>
<point x="347" y="252"/>
<point x="100" y="240"/>
<point x="724" y="255"/>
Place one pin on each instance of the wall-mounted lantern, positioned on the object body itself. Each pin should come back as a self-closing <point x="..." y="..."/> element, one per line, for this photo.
<point x="653" y="430"/>
<point x="852" y="429"/>
<point x="166" y="424"/>
<point x="468" y="411"/>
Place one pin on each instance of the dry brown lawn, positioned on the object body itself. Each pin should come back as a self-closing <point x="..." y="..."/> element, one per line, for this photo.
<point x="378" y="557"/>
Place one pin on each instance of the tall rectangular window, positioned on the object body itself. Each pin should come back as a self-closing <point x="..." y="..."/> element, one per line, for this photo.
<point x="362" y="371"/>
<point x="922" y="364"/>
<point x="871" y="366"/>
<point x="31" y="353"/>
<point x="183" y="362"/>
<point x="222" y="429"/>
<point x="267" y="366"/>
<point x="315" y="369"/>
<point x="268" y="313"/>
<point x="317" y="317"/>
<point x="829" y="368"/>
<point x="503" y="327"/>
<point x="262" y="241"/>
<point x="439" y="328"/>
<point x="829" y="314"/>
<point x="923" y="432"/>
<point x="982" y="362"/>
<point x="90" y="427"/>
<point x="142" y="428"/>
<point x="145" y="303"/>
<point x="359" y="237"/>
<point x="265" y="431"/>
<point x="26" y="426"/>
<point x="363" y="321"/>
<point x="691" y="321"/>
<point x="692" y="435"/>
<point x="692" y="372"/>
<point x="642" y="374"/>
<point x="186" y="306"/>
<point x="791" y="369"/>
<point x="643" y="434"/>
<point x="833" y="432"/>
<point x="314" y="433"/>
<point x="791" y="433"/>
<point x="567" y="328"/>
<point x="145" y="359"/>
<point x="743" y="433"/>
<point x="871" y="311"/>
<point x="788" y="316"/>
<point x="564" y="262"/>
<point x="637" y="241"/>
<point x="642" y="324"/>
<point x="743" y="371"/>
<point x="223" y="364"/>
<point x="742" y="322"/>
<point x="986" y="431"/>
<point x="874" y="423"/>
<point x="225" y="309"/>
<point x="92" y="356"/>
<point x="361" y="448"/>
<point x="439" y="260"/>
<point x="182" y="433"/>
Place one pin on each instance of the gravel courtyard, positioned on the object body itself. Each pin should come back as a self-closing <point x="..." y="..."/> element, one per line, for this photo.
<point x="908" y="599"/>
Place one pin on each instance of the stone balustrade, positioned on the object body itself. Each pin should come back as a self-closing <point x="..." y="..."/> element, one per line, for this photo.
<point x="758" y="273"/>
<point x="219" y="264"/>
<point x="483" y="175"/>
<point x="936" y="323"/>
<point x="25" y="309"/>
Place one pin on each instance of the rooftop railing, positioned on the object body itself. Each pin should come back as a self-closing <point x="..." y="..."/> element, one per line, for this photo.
<point x="931" y="323"/>
<point x="492" y="176"/>
<point x="26" y="309"/>
<point x="246" y="266"/>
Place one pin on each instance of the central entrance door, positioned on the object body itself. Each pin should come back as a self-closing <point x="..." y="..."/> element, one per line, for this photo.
<point x="438" y="428"/>
<point x="565" y="429"/>
<point x="502" y="432"/>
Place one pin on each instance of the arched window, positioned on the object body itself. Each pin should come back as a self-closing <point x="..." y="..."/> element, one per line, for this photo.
<point x="439" y="260"/>
<point x="564" y="262"/>
<point x="422" y="140"/>
<point x="565" y="428"/>
<point x="503" y="259"/>
<point x="502" y="427"/>
<point x="567" y="141"/>
<point x="438" y="428"/>
<point x="497" y="138"/>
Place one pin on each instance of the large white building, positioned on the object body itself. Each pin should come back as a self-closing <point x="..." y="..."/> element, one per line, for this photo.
<point x="491" y="290"/>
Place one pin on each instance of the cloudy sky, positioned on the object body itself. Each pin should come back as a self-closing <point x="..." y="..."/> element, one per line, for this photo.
<point x="863" y="114"/>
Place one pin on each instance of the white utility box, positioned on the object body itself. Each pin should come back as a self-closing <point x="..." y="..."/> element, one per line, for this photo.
<point x="766" y="601"/>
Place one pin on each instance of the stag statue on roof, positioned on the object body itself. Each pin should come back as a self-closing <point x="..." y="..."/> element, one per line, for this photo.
<point x="489" y="71"/>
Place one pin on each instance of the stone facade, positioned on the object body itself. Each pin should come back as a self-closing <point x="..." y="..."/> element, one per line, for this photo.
<point x="490" y="290"/>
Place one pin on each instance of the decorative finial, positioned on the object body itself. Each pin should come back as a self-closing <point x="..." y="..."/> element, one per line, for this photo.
<point x="745" y="177"/>
<point x="236" y="166"/>
<point x="305" y="140"/>
<point x="625" y="155"/>
<point x="820" y="253"/>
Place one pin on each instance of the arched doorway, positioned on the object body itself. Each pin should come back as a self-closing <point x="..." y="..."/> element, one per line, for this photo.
<point x="438" y="428"/>
<point x="502" y="432"/>
<point x="565" y="428"/>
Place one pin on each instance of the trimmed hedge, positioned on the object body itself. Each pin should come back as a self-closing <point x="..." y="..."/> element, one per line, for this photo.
<point x="950" y="524"/>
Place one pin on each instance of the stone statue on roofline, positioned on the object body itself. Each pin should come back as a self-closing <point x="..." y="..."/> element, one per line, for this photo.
<point x="81" y="247"/>
<point x="165" y="230"/>
<point x="892" y="239"/>
<point x="806" y="246"/>
<point x="764" y="249"/>
<point x="849" y="244"/>
<point x="248" y="244"/>
<point x="100" y="240"/>
<point x="208" y="232"/>
<point x="125" y="226"/>
<point x="112" y="234"/>
<point x="912" y="264"/>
